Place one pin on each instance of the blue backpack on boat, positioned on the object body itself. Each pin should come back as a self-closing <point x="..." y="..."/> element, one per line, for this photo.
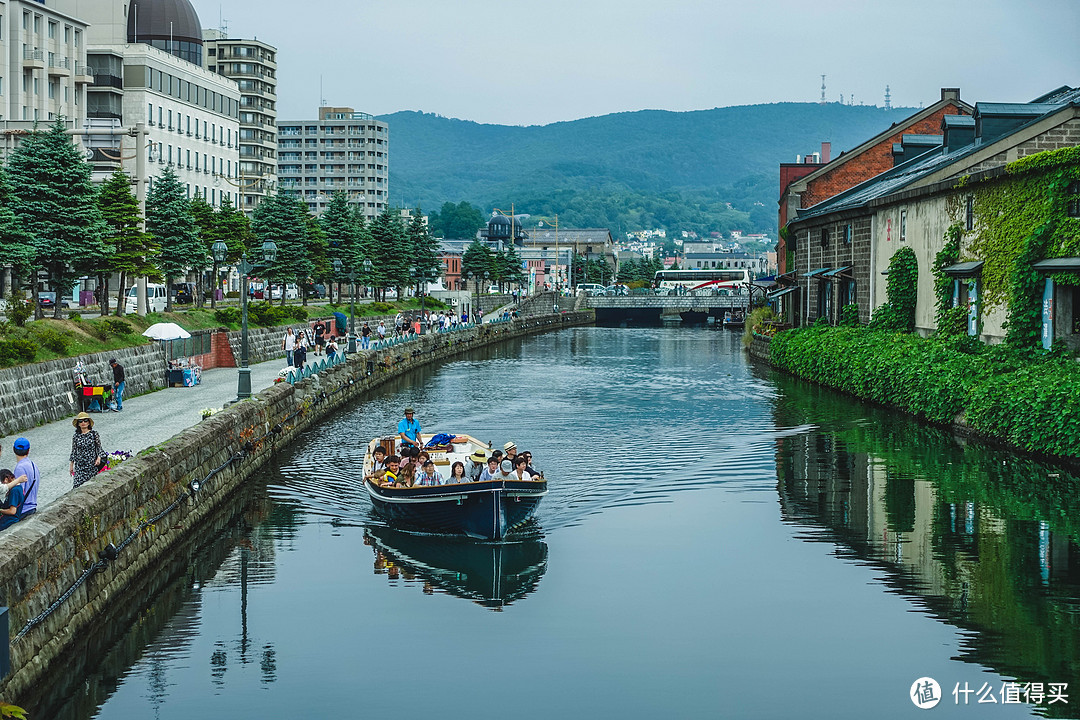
<point x="439" y="441"/>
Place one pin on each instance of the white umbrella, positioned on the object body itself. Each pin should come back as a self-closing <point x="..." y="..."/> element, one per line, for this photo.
<point x="166" y="331"/>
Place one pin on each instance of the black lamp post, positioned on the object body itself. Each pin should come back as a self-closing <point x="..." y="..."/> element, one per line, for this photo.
<point x="338" y="267"/>
<point x="269" y="251"/>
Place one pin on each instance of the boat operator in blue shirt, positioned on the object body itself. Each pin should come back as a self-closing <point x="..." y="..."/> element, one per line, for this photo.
<point x="409" y="430"/>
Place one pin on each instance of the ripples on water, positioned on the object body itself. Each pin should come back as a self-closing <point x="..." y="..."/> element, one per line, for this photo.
<point x="607" y="430"/>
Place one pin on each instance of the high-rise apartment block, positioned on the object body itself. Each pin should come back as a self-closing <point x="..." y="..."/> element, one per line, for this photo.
<point x="253" y="65"/>
<point x="343" y="151"/>
<point x="43" y="73"/>
<point x="147" y="62"/>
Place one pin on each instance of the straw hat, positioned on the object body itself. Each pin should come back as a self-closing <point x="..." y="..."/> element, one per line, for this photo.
<point x="478" y="456"/>
<point x="82" y="416"/>
<point x="509" y="445"/>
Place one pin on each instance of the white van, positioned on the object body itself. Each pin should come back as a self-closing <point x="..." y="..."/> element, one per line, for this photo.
<point x="155" y="298"/>
<point x="592" y="289"/>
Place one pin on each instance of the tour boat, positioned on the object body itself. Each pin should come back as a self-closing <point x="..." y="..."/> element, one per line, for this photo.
<point x="487" y="510"/>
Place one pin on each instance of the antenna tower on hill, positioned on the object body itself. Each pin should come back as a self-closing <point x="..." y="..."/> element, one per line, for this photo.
<point x="888" y="99"/>
<point x="822" y="89"/>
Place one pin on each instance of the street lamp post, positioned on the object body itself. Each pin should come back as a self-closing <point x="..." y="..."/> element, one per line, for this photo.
<point x="269" y="250"/>
<point x="338" y="267"/>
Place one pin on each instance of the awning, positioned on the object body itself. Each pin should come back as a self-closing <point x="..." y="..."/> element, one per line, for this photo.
<point x="814" y="273"/>
<point x="1058" y="264"/>
<point x="964" y="269"/>
<point x="781" y="293"/>
<point x="837" y="271"/>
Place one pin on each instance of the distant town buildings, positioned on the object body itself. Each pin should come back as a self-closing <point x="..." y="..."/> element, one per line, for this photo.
<point x="342" y="151"/>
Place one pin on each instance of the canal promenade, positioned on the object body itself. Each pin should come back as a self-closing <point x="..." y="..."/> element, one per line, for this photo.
<point x="147" y="420"/>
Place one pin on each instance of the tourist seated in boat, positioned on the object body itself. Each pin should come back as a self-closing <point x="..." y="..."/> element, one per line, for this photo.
<point x="457" y="474"/>
<point x="510" y="449"/>
<point x="528" y="462"/>
<point x="421" y="459"/>
<point x="506" y="471"/>
<point x="491" y="470"/>
<point x="475" y="464"/>
<point x="428" y="475"/>
<point x="497" y="455"/>
<point x="407" y="473"/>
<point x="520" y="473"/>
<point x="380" y="460"/>
<point x="389" y="475"/>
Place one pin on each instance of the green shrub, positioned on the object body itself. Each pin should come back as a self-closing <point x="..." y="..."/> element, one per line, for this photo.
<point x="118" y="326"/>
<point x="228" y="316"/>
<point x="18" y="310"/>
<point x="17" y="350"/>
<point x="54" y="340"/>
<point x="755" y="324"/>
<point x="953" y="321"/>
<point x="381" y="307"/>
<point x="849" y="315"/>
<point x="232" y="294"/>
<point x="297" y="312"/>
<point x="75" y="316"/>
<point x="266" y="314"/>
<point x="435" y="304"/>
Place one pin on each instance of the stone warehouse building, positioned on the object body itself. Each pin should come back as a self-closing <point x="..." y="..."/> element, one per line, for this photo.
<point x="844" y="244"/>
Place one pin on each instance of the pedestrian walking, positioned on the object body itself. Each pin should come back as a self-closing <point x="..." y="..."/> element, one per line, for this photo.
<point x="118" y="385"/>
<point x="87" y="458"/>
<point x="365" y="337"/>
<point x="288" y="344"/>
<point x="25" y="466"/>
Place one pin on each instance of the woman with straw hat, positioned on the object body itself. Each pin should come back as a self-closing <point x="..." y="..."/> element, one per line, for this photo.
<point x="87" y="457"/>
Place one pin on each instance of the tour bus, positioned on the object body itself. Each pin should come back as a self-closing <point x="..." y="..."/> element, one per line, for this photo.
<point x="724" y="281"/>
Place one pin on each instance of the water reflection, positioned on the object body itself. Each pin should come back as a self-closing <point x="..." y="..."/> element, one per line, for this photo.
<point x="983" y="538"/>
<point x="493" y="575"/>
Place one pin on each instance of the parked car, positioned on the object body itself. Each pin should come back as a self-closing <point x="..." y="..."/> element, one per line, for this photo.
<point x="155" y="298"/>
<point x="183" y="292"/>
<point x="315" y="290"/>
<point x="46" y="299"/>
<point x="292" y="292"/>
<point x="617" y="289"/>
<point x="493" y="290"/>
<point x="591" y="289"/>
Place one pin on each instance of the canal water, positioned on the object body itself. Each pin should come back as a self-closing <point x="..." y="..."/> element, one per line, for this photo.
<point x="718" y="541"/>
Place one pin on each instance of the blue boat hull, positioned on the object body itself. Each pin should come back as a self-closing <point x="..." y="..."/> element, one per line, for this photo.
<point x="487" y="510"/>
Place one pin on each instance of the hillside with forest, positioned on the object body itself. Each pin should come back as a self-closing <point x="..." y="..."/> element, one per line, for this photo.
<point x="703" y="170"/>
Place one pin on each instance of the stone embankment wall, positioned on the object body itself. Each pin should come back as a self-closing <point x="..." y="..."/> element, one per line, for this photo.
<point x="46" y="554"/>
<point x="759" y="348"/>
<point x="31" y="395"/>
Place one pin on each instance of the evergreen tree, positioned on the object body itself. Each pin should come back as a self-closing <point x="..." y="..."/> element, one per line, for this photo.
<point x="280" y="218"/>
<point x="206" y="220"/>
<point x="317" y="252"/>
<point x="234" y="228"/>
<point x="16" y="245"/>
<point x="425" y="248"/>
<point x="475" y="261"/>
<point x="56" y="205"/>
<point x="169" y="220"/>
<point x="390" y="252"/>
<point x="339" y="225"/>
<point x="512" y="271"/>
<point x="131" y="248"/>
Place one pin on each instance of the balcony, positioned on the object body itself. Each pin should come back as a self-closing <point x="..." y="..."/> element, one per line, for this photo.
<point x="33" y="59"/>
<point x="84" y="74"/>
<point x="59" y="67"/>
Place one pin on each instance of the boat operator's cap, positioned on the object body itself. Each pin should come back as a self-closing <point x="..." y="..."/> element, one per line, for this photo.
<point x="478" y="456"/>
<point x="509" y="445"/>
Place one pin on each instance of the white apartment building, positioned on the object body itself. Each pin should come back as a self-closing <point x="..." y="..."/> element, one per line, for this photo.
<point x="146" y="57"/>
<point x="344" y="151"/>
<point x="43" y="73"/>
<point x="253" y="65"/>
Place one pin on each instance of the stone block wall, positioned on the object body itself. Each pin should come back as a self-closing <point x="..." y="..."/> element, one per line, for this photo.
<point x="38" y="393"/>
<point x="759" y="348"/>
<point x="46" y="554"/>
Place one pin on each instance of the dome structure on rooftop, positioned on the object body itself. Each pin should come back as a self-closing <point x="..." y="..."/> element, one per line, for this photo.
<point x="171" y="25"/>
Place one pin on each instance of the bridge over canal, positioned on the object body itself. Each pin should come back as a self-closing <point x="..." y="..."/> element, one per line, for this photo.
<point x="690" y="307"/>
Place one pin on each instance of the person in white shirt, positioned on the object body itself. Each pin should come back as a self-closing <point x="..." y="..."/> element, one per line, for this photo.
<point x="520" y="473"/>
<point x="491" y="470"/>
<point x="288" y="344"/>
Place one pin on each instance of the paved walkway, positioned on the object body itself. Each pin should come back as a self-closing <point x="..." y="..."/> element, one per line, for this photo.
<point x="146" y="420"/>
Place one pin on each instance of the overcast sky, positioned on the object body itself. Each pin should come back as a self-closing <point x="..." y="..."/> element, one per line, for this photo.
<point x="534" y="63"/>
